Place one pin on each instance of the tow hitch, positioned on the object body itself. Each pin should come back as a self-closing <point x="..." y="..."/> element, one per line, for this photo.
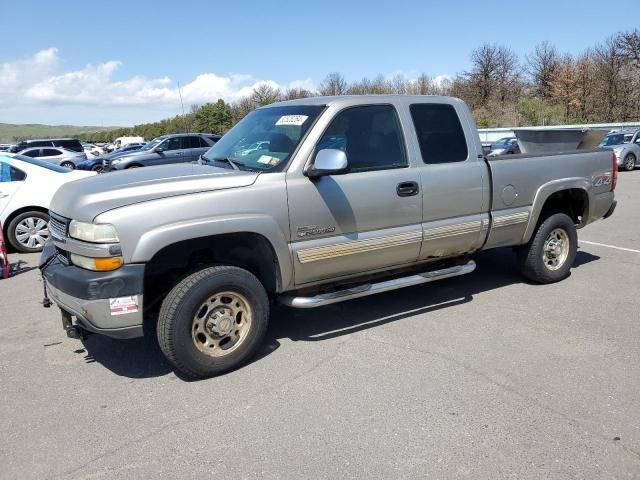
<point x="73" y="331"/>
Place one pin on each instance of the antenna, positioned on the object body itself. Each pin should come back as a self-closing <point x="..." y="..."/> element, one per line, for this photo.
<point x="184" y="118"/>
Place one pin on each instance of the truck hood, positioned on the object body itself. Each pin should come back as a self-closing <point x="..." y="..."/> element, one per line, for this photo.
<point x="87" y="198"/>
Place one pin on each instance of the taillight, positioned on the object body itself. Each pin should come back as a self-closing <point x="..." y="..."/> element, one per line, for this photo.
<point x="614" y="179"/>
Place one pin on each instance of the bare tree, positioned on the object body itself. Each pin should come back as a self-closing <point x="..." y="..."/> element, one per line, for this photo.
<point x="541" y="66"/>
<point x="293" y="93"/>
<point x="628" y="44"/>
<point x="264" y="94"/>
<point x="333" y="84"/>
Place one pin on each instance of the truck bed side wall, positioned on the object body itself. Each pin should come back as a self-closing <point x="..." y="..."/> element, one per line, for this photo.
<point x="523" y="183"/>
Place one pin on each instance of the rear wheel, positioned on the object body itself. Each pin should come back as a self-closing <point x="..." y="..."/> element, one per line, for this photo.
<point x="29" y="231"/>
<point x="213" y="321"/>
<point x="69" y="165"/>
<point x="629" y="162"/>
<point x="549" y="255"/>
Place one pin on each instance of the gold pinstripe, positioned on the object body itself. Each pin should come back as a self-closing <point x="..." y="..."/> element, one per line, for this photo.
<point x="510" y="219"/>
<point x="358" y="246"/>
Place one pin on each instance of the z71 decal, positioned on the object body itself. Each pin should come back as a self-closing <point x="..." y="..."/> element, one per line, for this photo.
<point x="602" y="180"/>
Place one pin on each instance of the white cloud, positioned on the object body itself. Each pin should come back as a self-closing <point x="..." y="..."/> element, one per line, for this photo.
<point x="29" y="85"/>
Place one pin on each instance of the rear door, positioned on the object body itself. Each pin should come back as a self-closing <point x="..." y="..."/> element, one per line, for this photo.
<point x="52" y="155"/>
<point x="364" y="220"/>
<point x="11" y="179"/>
<point x="455" y="182"/>
<point x="194" y="146"/>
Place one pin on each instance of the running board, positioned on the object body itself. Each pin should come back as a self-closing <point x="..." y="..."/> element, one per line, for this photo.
<point x="373" y="288"/>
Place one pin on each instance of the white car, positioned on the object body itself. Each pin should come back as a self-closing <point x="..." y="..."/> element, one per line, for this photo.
<point x="27" y="186"/>
<point x="91" y="150"/>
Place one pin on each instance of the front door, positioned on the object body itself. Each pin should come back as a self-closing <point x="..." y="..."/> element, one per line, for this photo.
<point x="171" y="152"/>
<point x="366" y="219"/>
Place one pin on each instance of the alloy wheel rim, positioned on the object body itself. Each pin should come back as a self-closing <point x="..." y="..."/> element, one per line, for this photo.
<point x="630" y="162"/>
<point x="32" y="232"/>
<point x="556" y="249"/>
<point x="221" y="324"/>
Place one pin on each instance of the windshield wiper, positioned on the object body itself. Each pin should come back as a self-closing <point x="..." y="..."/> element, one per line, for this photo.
<point x="233" y="163"/>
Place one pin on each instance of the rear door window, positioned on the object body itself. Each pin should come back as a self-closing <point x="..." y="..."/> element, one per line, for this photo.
<point x="50" y="152"/>
<point x="9" y="173"/>
<point x="439" y="132"/>
<point x="190" y="142"/>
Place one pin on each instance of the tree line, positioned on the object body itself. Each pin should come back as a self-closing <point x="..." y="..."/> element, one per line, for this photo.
<point x="545" y="87"/>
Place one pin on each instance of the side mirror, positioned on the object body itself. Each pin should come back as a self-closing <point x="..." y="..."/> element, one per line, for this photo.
<point x="328" y="161"/>
<point x="160" y="148"/>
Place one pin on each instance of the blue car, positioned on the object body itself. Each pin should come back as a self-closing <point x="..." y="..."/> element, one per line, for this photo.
<point x="95" y="164"/>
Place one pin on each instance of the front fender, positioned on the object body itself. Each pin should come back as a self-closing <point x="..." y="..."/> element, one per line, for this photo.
<point x="152" y="241"/>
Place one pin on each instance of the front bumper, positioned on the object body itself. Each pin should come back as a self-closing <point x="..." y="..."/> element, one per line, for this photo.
<point x="109" y="303"/>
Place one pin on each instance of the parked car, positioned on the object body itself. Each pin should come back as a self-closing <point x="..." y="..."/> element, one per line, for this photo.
<point x="625" y="146"/>
<point x="124" y="141"/>
<point x="92" y="150"/>
<point x="60" y="156"/>
<point x="72" y="144"/>
<point x="254" y="147"/>
<point x="95" y="164"/>
<point x="505" y="146"/>
<point x="4" y="147"/>
<point x="26" y="188"/>
<point x="205" y="247"/>
<point x="176" y="148"/>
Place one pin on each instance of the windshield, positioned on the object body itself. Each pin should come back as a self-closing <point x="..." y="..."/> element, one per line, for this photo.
<point x="40" y="163"/>
<point x="152" y="143"/>
<point x="612" y="140"/>
<point x="264" y="139"/>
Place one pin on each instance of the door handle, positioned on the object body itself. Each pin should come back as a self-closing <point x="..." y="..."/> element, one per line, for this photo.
<point x="407" y="189"/>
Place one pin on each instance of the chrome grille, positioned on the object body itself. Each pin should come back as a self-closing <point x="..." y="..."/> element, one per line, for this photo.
<point x="106" y="164"/>
<point x="58" y="226"/>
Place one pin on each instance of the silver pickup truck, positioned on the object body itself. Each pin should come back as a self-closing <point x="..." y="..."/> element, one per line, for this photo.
<point x="308" y="202"/>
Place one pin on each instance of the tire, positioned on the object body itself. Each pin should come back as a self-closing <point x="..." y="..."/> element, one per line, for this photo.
<point x="539" y="261"/>
<point x="97" y="168"/>
<point x="196" y="318"/>
<point x="69" y="165"/>
<point x="30" y="223"/>
<point x="629" y="162"/>
<point x="133" y="166"/>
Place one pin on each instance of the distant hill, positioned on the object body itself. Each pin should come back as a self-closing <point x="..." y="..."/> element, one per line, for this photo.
<point x="10" y="133"/>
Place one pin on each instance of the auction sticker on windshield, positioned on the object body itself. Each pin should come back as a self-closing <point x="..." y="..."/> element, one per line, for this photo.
<point x="292" y="120"/>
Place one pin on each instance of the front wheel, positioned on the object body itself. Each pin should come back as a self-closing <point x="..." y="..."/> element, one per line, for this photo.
<point x="629" y="162"/>
<point x="549" y="255"/>
<point x="213" y="321"/>
<point x="69" y="165"/>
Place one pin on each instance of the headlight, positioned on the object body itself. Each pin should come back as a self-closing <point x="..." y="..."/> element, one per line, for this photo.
<point x="93" y="232"/>
<point x="97" y="264"/>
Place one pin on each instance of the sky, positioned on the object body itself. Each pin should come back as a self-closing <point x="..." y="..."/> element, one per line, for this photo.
<point x="120" y="62"/>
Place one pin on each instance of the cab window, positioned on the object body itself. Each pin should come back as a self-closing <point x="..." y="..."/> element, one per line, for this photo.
<point x="370" y="135"/>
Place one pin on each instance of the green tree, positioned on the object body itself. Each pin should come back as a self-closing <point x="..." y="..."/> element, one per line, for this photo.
<point x="213" y="117"/>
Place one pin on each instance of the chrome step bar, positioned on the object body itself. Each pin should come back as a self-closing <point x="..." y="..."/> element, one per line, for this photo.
<point x="372" y="288"/>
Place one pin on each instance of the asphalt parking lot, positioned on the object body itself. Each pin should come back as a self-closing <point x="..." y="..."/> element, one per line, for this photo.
<point x="483" y="376"/>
